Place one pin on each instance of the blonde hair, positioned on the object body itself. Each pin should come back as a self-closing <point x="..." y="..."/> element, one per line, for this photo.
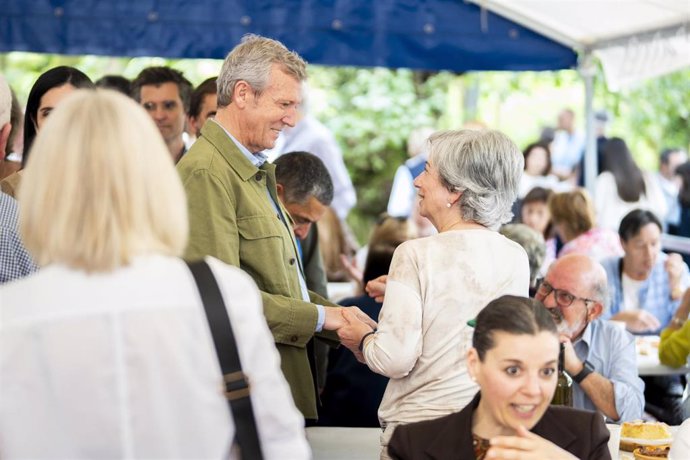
<point x="573" y="211"/>
<point x="100" y="187"/>
<point x="392" y="230"/>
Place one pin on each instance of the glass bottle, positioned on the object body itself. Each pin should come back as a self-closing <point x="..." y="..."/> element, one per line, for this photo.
<point x="564" y="387"/>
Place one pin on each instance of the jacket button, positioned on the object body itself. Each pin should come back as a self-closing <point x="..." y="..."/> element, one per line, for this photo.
<point x="294" y="338"/>
<point x="258" y="176"/>
<point x="292" y="261"/>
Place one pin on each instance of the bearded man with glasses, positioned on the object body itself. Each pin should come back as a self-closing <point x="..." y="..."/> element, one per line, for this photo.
<point x="599" y="356"/>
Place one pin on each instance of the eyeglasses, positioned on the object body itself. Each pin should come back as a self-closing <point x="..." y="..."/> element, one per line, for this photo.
<point x="563" y="298"/>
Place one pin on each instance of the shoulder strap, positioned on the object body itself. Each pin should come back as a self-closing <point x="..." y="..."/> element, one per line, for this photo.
<point x="236" y="385"/>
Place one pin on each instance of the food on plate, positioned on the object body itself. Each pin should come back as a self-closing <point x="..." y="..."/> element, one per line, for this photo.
<point x="644" y="434"/>
<point x="651" y="452"/>
<point x="645" y="430"/>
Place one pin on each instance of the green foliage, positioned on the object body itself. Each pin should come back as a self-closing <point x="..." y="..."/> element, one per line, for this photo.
<point x="371" y="112"/>
<point x="652" y="116"/>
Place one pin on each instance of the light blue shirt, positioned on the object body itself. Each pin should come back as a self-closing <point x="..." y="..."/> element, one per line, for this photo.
<point x="655" y="291"/>
<point x="567" y="150"/>
<point x="258" y="160"/>
<point x="611" y="351"/>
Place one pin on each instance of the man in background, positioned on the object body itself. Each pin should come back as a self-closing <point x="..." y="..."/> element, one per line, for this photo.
<point x="669" y="183"/>
<point x="567" y="148"/>
<point x="310" y="135"/>
<point x="401" y="202"/>
<point x="203" y="105"/>
<point x="646" y="287"/>
<point x="165" y="94"/>
<point x="305" y="189"/>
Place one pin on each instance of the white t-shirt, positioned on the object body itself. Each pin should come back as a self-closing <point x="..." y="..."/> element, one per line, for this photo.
<point x="631" y="293"/>
<point x="611" y="208"/>
<point x="435" y="285"/>
<point x="122" y="365"/>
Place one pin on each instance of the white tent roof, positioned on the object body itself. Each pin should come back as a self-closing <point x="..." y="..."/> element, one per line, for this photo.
<point x="633" y="39"/>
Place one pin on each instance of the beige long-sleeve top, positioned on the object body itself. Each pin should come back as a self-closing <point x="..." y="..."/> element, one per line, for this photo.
<point x="435" y="285"/>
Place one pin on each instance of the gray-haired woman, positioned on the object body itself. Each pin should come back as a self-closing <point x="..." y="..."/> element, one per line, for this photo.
<point x="436" y="284"/>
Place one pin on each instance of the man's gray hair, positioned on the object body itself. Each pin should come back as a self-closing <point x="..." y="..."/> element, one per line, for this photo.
<point x="532" y="242"/>
<point x="251" y="61"/>
<point x="302" y="176"/>
<point x="485" y="166"/>
<point x="5" y="102"/>
<point x="600" y="289"/>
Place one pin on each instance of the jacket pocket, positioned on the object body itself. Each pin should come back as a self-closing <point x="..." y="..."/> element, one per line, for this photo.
<point x="264" y="250"/>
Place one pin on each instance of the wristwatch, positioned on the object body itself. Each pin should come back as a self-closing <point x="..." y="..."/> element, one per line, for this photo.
<point x="587" y="369"/>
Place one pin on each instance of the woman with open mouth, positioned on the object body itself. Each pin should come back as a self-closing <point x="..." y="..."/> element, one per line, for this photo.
<point x="513" y="358"/>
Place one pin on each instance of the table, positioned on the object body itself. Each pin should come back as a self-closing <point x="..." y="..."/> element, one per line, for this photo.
<point x="342" y="443"/>
<point x="648" y="358"/>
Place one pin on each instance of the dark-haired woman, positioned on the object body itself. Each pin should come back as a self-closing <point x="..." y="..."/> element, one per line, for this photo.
<point x="513" y="358"/>
<point x="48" y="91"/>
<point x="537" y="171"/>
<point x="534" y="212"/>
<point x="623" y="186"/>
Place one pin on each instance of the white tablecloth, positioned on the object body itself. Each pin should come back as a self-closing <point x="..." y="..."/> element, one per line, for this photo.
<point x="648" y="358"/>
<point x="339" y="443"/>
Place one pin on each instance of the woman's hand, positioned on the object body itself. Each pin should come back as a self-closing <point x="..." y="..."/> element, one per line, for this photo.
<point x="376" y="288"/>
<point x="351" y="333"/>
<point x="526" y="446"/>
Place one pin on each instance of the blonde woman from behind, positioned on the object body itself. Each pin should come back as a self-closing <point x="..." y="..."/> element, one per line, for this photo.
<point x="106" y="352"/>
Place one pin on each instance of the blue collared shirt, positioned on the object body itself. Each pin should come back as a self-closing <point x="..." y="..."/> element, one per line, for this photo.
<point x="655" y="291"/>
<point x="258" y="160"/>
<point x="611" y="351"/>
<point x="15" y="261"/>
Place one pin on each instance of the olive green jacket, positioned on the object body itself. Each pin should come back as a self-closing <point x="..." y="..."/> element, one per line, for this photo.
<point x="233" y="219"/>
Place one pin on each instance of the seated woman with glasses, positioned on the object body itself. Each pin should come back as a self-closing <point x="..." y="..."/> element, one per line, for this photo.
<point x="514" y="359"/>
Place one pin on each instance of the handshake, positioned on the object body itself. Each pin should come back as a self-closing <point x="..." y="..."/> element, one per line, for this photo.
<point x="352" y="325"/>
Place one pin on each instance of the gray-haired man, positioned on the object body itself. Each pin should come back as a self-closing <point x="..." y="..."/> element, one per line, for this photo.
<point x="234" y="211"/>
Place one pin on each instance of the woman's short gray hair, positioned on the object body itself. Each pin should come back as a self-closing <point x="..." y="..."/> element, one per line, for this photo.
<point x="485" y="166"/>
<point x="251" y="61"/>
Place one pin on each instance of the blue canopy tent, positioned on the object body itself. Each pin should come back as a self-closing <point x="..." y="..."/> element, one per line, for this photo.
<point x="418" y="34"/>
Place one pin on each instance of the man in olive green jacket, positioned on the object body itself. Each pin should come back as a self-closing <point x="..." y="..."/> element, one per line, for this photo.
<point x="235" y="214"/>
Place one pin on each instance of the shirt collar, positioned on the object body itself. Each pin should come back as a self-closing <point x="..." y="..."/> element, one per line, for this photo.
<point x="586" y="337"/>
<point x="257" y="159"/>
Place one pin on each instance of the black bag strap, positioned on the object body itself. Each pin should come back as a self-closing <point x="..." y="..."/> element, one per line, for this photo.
<point x="236" y="385"/>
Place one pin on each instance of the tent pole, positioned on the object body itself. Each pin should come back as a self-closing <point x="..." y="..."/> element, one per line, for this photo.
<point x="588" y="70"/>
